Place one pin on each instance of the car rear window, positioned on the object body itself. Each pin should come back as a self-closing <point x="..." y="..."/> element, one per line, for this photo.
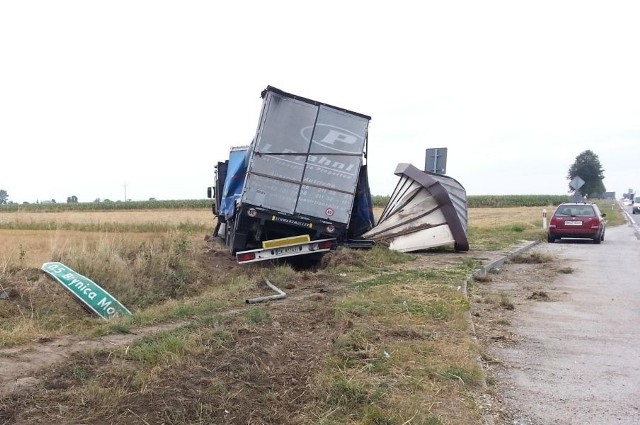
<point x="585" y="212"/>
<point x="576" y="211"/>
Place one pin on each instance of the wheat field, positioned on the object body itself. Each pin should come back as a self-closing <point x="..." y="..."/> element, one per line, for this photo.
<point x="25" y="247"/>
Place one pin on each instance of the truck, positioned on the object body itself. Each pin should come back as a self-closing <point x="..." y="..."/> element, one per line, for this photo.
<point x="300" y="188"/>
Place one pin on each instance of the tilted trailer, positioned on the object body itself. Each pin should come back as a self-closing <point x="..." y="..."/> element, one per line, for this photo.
<point x="300" y="188"/>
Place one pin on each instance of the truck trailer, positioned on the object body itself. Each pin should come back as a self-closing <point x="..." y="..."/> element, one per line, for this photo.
<point x="300" y="187"/>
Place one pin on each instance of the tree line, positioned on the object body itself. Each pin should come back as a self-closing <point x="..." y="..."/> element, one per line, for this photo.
<point x="586" y="166"/>
<point x="4" y="199"/>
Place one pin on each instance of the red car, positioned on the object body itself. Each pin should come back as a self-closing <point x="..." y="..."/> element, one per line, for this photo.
<point x="577" y="220"/>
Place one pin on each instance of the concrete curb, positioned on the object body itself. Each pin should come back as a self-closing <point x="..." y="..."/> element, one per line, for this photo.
<point x="495" y="264"/>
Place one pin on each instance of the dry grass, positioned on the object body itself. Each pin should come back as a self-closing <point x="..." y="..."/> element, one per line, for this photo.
<point x="169" y="217"/>
<point x="317" y="359"/>
<point x="498" y="228"/>
<point x="490" y="217"/>
<point x="31" y="248"/>
<point x="531" y="258"/>
<point x="382" y="340"/>
<point x="404" y="354"/>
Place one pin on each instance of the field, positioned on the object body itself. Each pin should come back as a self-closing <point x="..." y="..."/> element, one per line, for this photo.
<point x="372" y="337"/>
<point x="32" y="238"/>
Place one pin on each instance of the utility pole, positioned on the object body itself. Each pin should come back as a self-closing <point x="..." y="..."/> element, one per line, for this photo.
<point x="125" y="193"/>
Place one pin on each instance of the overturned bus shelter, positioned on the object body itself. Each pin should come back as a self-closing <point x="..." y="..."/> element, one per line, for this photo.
<point x="425" y="210"/>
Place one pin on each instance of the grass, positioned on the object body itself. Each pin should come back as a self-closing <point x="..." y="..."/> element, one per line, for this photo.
<point x="105" y="205"/>
<point x="614" y="214"/>
<point x="157" y="281"/>
<point x="156" y="275"/>
<point x="510" y="201"/>
<point x="33" y="238"/>
<point x="408" y="343"/>
<point x="492" y="229"/>
<point x="505" y="302"/>
<point x="531" y="258"/>
<point x="390" y="344"/>
<point x="393" y="361"/>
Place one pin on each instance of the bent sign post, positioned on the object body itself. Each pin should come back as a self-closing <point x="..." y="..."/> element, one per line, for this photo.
<point x="90" y="293"/>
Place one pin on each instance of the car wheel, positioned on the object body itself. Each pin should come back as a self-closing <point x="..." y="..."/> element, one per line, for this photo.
<point x="597" y="240"/>
<point x="551" y="239"/>
<point x="602" y="237"/>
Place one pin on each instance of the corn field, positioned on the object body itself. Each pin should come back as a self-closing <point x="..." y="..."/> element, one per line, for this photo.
<point x="110" y="205"/>
<point x="505" y="201"/>
<point x="476" y="201"/>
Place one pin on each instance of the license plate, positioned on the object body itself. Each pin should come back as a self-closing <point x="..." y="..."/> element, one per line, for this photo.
<point x="573" y="223"/>
<point x="288" y="250"/>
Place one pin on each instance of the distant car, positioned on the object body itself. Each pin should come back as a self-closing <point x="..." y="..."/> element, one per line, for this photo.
<point x="635" y="208"/>
<point x="577" y="220"/>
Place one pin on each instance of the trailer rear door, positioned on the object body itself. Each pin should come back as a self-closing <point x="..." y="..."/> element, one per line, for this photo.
<point x="306" y="157"/>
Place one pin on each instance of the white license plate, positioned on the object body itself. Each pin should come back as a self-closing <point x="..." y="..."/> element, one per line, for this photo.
<point x="573" y="223"/>
<point x="289" y="250"/>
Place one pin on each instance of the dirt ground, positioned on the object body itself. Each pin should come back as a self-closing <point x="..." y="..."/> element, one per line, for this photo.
<point x="287" y="349"/>
<point x="280" y="355"/>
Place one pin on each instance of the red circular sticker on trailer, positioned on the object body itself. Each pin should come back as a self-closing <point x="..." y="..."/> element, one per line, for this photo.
<point x="329" y="212"/>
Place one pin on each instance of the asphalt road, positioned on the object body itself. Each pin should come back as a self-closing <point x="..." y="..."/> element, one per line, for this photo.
<point x="579" y="360"/>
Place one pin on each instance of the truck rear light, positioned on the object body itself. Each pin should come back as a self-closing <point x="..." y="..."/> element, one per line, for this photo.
<point x="325" y="245"/>
<point x="247" y="256"/>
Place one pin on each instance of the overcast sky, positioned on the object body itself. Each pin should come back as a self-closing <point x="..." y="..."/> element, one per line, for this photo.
<point x="96" y="96"/>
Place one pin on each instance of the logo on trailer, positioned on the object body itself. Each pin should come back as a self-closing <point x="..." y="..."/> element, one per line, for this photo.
<point x="252" y="212"/>
<point x="334" y="138"/>
<point x="329" y="212"/>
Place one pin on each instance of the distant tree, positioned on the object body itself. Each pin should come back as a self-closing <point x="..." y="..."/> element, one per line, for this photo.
<point x="97" y="200"/>
<point x="152" y="199"/>
<point x="3" y="196"/>
<point x="53" y="201"/>
<point x="587" y="167"/>
<point x="73" y="199"/>
<point x="107" y="200"/>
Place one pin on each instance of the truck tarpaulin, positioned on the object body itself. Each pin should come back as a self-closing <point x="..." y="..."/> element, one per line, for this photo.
<point x="301" y="186"/>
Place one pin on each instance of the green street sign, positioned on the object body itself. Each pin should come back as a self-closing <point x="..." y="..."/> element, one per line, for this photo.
<point x="87" y="291"/>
